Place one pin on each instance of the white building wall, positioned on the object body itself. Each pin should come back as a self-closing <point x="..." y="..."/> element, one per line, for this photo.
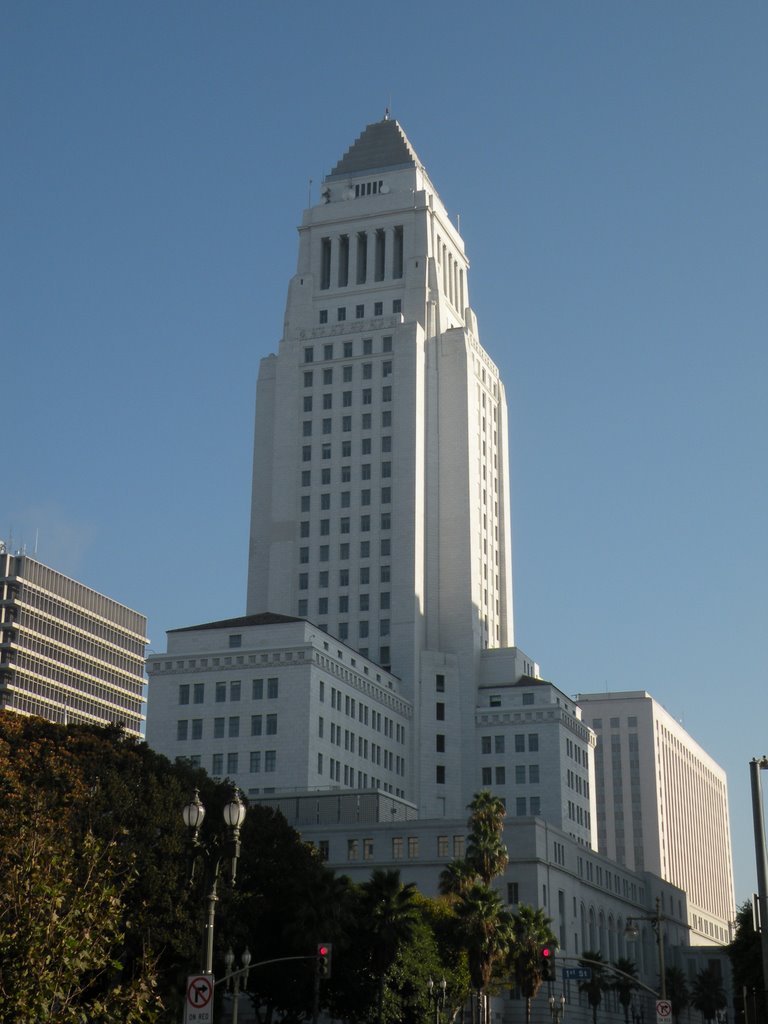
<point x="442" y="535"/>
<point x="300" y="676"/>
<point x="663" y="805"/>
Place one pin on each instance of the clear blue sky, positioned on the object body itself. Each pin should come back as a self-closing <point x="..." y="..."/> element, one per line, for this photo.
<point x="609" y="161"/>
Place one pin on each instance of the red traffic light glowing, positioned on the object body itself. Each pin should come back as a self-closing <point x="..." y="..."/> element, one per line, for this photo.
<point x="546" y="951"/>
<point x="322" y="951"/>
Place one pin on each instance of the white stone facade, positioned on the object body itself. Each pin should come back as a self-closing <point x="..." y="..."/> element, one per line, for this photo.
<point x="663" y="805"/>
<point x="380" y="481"/>
<point x="272" y="703"/>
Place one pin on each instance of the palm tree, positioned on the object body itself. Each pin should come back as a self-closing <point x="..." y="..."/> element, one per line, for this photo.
<point x="597" y="984"/>
<point x="623" y="984"/>
<point x="708" y="996"/>
<point x="391" y="913"/>
<point x="532" y="932"/>
<point x="677" y="990"/>
<point x="486" y="853"/>
<point x="456" y="877"/>
<point x="485" y="926"/>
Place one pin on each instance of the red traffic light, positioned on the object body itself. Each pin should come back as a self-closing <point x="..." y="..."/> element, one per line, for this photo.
<point x="546" y="951"/>
<point x="322" y="951"/>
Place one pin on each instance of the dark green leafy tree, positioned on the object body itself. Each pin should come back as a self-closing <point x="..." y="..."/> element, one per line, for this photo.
<point x="597" y="984"/>
<point x="746" y="960"/>
<point x="623" y="984"/>
<point x="708" y="995"/>
<point x="391" y="914"/>
<point x="677" y="991"/>
<point x="531" y="930"/>
<point x="62" y="922"/>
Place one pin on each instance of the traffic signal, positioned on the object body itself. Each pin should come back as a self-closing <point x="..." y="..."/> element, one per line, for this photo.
<point x="547" y="963"/>
<point x="324" y="958"/>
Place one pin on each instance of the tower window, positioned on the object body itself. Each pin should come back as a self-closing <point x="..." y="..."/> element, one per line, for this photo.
<point x="325" y="263"/>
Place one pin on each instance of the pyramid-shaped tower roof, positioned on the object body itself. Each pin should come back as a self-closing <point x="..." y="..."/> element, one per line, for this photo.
<point x="382" y="145"/>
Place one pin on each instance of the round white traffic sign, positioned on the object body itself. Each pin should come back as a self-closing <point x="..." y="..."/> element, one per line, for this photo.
<point x="199" y="991"/>
<point x="663" y="1010"/>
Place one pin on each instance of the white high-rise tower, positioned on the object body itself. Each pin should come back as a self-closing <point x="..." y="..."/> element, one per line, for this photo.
<point x="380" y="482"/>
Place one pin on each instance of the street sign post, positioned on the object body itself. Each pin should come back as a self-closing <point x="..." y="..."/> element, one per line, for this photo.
<point x="663" y="1011"/>
<point x="577" y="974"/>
<point x="198" y="1005"/>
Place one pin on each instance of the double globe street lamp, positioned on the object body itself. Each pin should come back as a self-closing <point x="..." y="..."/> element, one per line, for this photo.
<point x="632" y="931"/>
<point x="212" y="855"/>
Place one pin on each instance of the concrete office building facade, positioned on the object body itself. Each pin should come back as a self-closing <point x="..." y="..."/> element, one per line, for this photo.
<point x="68" y="653"/>
<point x="662" y="805"/>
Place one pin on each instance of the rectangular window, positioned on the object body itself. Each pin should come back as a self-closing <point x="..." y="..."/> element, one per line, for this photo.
<point x="231" y="764"/>
<point x="413" y="847"/>
<point x="323" y="317"/>
<point x="513" y="892"/>
<point x="221" y="692"/>
<point x="533" y="773"/>
<point x="271" y="725"/>
<point x="359" y="312"/>
<point x="218" y="728"/>
<point x="386" y="393"/>
<point x="258" y="689"/>
<point x="347" y="349"/>
<point x="386" y="344"/>
<point x="501" y="776"/>
<point x="533" y="741"/>
<point x="498" y="744"/>
<point x="486" y="776"/>
<point x="520" y="774"/>
<point x="184" y="693"/>
<point x="309" y="354"/>
<point x="341" y="313"/>
<point x="197" y="728"/>
<point x="234" y="690"/>
<point x="440" y="743"/>
<point x="378" y="309"/>
<point x="325" y="263"/>
<point x="272" y="685"/>
<point x="397" y="847"/>
<point x="234" y="726"/>
<point x="270" y="760"/>
<point x="256" y="721"/>
<point x="520" y="807"/>
<point x="217" y="764"/>
<point x="440" y="774"/>
<point x="255" y="765"/>
<point x="440" y="711"/>
<point x="182" y="729"/>
<point x="485" y="744"/>
<point x="198" y="693"/>
<point x="306" y="453"/>
<point x="307" y="378"/>
<point x="519" y="743"/>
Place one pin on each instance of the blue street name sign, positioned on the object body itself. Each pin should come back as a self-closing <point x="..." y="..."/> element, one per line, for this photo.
<point x="577" y="973"/>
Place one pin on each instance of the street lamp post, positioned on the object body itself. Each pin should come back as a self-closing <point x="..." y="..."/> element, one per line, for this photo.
<point x="212" y="855"/>
<point x="755" y="765"/>
<point x="437" y="996"/>
<point x="631" y="931"/>
<point x="557" y="1009"/>
<point x="238" y="979"/>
